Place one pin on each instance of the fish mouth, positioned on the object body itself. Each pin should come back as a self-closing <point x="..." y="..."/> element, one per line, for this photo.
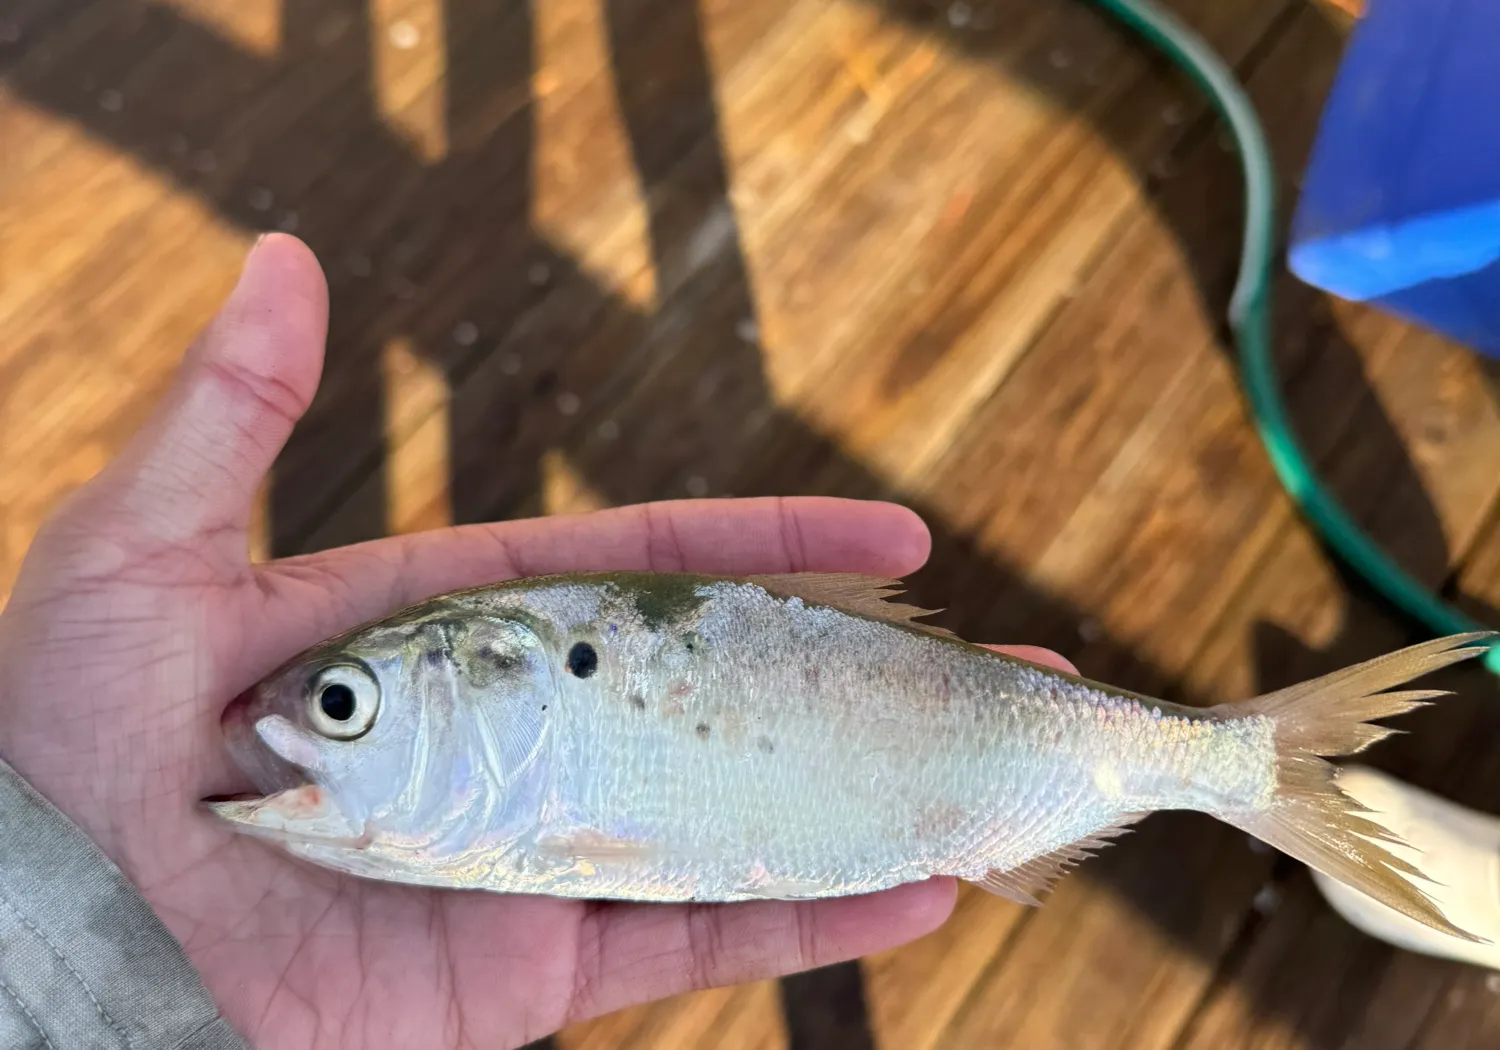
<point x="282" y="761"/>
<point x="264" y="767"/>
<point x="307" y="815"/>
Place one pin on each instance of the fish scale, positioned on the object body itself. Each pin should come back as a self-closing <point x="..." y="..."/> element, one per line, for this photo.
<point x="676" y="737"/>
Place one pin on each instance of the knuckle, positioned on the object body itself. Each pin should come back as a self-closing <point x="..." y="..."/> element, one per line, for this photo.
<point x="805" y="922"/>
<point x="588" y="972"/>
<point x="793" y="550"/>
<point x="663" y="547"/>
<point x="266" y="394"/>
<point x="705" y="947"/>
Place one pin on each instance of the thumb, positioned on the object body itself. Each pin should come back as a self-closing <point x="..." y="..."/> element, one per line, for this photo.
<point x="193" y="470"/>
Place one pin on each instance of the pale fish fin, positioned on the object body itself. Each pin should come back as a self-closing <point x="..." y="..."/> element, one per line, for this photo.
<point x="595" y="847"/>
<point x="1026" y="882"/>
<point x="1326" y="716"/>
<point x="785" y="889"/>
<point x="1310" y="817"/>
<point x="852" y="592"/>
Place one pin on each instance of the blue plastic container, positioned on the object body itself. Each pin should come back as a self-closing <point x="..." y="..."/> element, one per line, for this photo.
<point x="1400" y="205"/>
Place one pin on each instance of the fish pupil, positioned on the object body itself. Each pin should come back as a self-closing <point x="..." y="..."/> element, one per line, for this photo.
<point x="582" y="660"/>
<point x="337" y="702"/>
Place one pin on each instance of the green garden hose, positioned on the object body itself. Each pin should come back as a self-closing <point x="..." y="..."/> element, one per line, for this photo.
<point x="1250" y="323"/>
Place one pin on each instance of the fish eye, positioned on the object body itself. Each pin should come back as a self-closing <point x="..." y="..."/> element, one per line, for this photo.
<point x="343" y="701"/>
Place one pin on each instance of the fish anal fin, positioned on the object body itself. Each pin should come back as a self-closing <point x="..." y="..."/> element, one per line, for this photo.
<point x="853" y="593"/>
<point x="1017" y="884"/>
<point x="1027" y="882"/>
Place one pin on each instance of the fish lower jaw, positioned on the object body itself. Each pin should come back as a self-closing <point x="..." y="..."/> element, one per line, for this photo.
<point x="306" y="813"/>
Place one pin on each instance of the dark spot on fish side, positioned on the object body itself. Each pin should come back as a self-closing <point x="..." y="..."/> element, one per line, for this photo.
<point x="582" y="660"/>
<point x="702" y="730"/>
<point x="638" y="702"/>
<point x="544" y="707"/>
<point x="663" y="600"/>
<point x="435" y="657"/>
<point x="765" y="745"/>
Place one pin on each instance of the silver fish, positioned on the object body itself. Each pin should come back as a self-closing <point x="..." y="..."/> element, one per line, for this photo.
<point x="671" y="737"/>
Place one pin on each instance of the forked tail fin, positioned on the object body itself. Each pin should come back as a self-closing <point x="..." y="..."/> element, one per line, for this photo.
<point x="1311" y="818"/>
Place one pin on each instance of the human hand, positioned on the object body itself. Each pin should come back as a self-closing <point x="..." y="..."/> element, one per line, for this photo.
<point x="138" y="616"/>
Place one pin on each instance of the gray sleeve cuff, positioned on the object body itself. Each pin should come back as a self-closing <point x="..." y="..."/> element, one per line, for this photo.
<point x="84" y="961"/>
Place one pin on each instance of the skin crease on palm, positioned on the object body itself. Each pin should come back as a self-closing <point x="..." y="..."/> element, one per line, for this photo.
<point x="138" y="616"/>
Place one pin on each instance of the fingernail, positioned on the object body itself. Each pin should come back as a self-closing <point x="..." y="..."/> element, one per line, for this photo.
<point x="255" y="246"/>
<point x="247" y="267"/>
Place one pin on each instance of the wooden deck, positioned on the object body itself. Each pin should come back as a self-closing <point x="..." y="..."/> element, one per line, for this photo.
<point x="971" y="256"/>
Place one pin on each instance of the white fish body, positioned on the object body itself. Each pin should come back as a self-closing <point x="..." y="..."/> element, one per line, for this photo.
<point x="667" y="737"/>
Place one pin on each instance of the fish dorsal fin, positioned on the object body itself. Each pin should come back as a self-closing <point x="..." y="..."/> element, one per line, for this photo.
<point x="1026" y="882"/>
<point x="853" y="593"/>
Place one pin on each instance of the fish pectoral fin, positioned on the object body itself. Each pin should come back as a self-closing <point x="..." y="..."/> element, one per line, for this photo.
<point x="852" y="592"/>
<point x="595" y="847"/>
<point x="1024" y="883"/>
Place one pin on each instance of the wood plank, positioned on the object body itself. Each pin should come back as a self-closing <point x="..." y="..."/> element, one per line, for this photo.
<point x="1317" y="1010"/>
<point x="1306" y="979"/>
<point x="941" y="278"/>
<point x="1298" y="619"/>
<point x="1133" y="484"/>
<point x="908" y="1007"/>
<point x="847" y="253"/>
<point x="1181" y="504"/>
<point x="1412" y="470"/>
<point x="1474" y="586"/>
<point x="1411" y="467"/>
<point x="1012" y="244"/>
<point x="604" y="330"/>
<point x="89" y="344"/>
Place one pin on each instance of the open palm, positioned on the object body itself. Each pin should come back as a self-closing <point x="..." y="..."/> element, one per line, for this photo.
<point x="138" y="616"/>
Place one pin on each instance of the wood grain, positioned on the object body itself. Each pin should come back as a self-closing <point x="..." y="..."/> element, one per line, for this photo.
<point x="971" y="256"/>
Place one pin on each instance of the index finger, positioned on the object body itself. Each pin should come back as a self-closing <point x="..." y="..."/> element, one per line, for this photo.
<point x="1037" y="655"/>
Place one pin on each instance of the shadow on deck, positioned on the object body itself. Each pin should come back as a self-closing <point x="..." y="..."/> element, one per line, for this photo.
<point x="411" y="247"/>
